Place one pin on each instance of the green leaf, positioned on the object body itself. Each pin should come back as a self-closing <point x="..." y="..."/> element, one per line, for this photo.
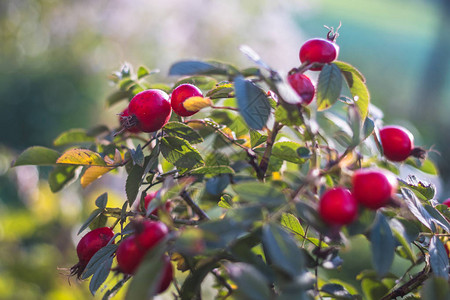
<point x="221" y="90"/>
<point x="100" y="275"/>
<point x="217" y="184"/>
<point x="145" y="281"/>
<point x="258" y="192"/>
<point x="438" y="218"/>
<point x="193" y="67"/>
<point x="251" y="284"/>
<point x="91" y="218"/>
<point x="281" y="250"/>
<point x="354" y="120"/>
<point x="36" y="155"/>
<point x="373" y="289"/>
<point x="426" y="166"/>
<point x="287" y="151"/>
<point x="256" y="138"/>
<point x="417" y="209"/>
<point x="253" y="104"/>
<point x="60" y="176"/>
<point x="310" y="215"/>
<point x="180" y="153"/>
<point x="368" y="128"/>
<point x="98" y="259"/>
<point x="290" y="222"/>
<point x="225" y="202"/>
<point x="192" y="284"/>
<point x="289" y="117"/>
<point x="238" y="126"/>
<point x="423" y="190"/>
<point x="102" y="201"/>
<point x="438" y="258"/>
<point x="133" y="183"/>
<point x="183" y="131"/>
<point x="138" y="156"/>
<point x="213" y="170"/>
<point x="118" y="96"/>
<point x="402" y="236"/>
<point x="435" y="288"/>
<point x="73" y="137"/>
<point x="329" y="86"/>
<point x="356" y="83"/>
<point x="142" y="72"/>
<point x="382" y="245"/>
<point x="202" y="82"/>
<point x="82" y="157"/>
<point x="337" y="291"/>
<point x="98" y="222"/>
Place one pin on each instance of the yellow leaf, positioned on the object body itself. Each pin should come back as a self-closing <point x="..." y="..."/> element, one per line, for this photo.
<point x="92" y="174"/>
<point x="82" y="157"/>
<point x="181" y="262"/>
<point x="196" y="103"/>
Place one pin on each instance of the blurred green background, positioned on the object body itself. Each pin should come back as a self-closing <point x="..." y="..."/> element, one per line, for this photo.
<point x="56" y="55"/>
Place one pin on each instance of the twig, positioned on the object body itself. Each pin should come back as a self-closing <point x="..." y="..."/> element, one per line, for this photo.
<point x="225" y="107"/>
<point x="201" y="214"/>
<point x="264" y="164"/>
<point x="222" y="281"/>
<point x="316" y="269"/>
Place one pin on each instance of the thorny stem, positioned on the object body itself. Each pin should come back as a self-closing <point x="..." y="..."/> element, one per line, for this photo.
<point x="187" y="198"/>
<point x="225" y="107"/>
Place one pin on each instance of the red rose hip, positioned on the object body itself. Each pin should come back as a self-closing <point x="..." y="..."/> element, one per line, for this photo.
<point x="447" y="202"/>
<point x="89" y="244"/>
<point x="132" y="249"/>
<point x="373" y="188"/>
<point x="180" y="94"/>
<point x="149" y="111"/>
<point x="150" y="197"/>
<point x="303" y="86"/>
<point x="397" y="142"/>
<point x="318" y="51"/>
<point x="167" y="276"/>
<point x="337" y="206"/>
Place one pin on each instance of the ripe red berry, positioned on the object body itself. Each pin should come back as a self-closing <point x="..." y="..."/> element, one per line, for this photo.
<point x="123" y="116"/>
<point x="397" y="142"/>
<point x="180" y="94"/>
<point x="303" y="86"/>
<point x="373" y="188"/>
<point x="89" y="244"/>
<point x="132" y="249"/>
<point x="447" y="202"/>
<point x="337" y="206"/>
<point x="148" y="110"/>
<point x="318" y="51"/>
<point x="150" y="197"/>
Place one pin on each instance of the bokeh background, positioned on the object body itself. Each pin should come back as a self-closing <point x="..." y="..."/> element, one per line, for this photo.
<point x="56" y="55"/>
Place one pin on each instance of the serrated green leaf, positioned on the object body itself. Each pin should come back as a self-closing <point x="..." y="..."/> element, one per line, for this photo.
<point x="288" y="117"/>
<point x="251" y="284"/>
<point x="180" y="153"/>
<point x="73" y="137"/>
<point x="287" y="151"/>
<point x="60" y="176"/>
<point x="100" y="275"/>
<point x="202" y="82"/>
<point x="183" y="131"/>
<point x="382" y="245"/>
<point x="438" y="218"/>
<point x="192" y="67"/>
<point x="213" y="170"/>
<point x="225" y="202"/>
<point x="102" y="201"/>
<point x="98" y="222"/>
<point x="91" y="218"/>
<point x="221" y="90"/>
<point x="416" y="208"/>
<point x="290" y="222"/>
<point x="252" y="101"/>
<point x="133" y="183"/>
<point x="138" y="156"/>
<point x="438" y="258"/>
<point x="281" y="250"/>
<point x="258" y="192"/>
<point x="423" y="190"/>
<point x="142" y="72"/>
<point x="98" y="259"/>
<point x="329" y="86"/>
<point x="38" y="156"/>
<point x="256" y="138"/>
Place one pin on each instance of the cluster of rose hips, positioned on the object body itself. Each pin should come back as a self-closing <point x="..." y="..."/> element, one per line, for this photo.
<point x="150" y="110"/>
<point x="372" y="188"/>
<point x="132" y="248"/>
